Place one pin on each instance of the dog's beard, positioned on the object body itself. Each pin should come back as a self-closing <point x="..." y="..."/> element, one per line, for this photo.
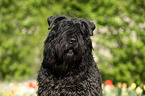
<point x="68" y="59"/>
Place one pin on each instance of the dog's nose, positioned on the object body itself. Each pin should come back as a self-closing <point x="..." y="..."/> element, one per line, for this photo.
<point x="72" y="40"/>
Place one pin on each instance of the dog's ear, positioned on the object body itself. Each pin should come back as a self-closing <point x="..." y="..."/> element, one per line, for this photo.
<point x="89" y="25"/>
<point x="54" y="20"/>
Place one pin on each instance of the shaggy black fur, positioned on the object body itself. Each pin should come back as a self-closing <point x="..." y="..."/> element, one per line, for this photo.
<point x="68" y="67"/>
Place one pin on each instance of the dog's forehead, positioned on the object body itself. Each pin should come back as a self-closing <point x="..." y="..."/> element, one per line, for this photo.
<point x="71" y="20"/>
<point x="69" y="24"/>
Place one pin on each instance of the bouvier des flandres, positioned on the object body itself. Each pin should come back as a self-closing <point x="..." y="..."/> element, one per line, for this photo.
<point x="68" y="67"/>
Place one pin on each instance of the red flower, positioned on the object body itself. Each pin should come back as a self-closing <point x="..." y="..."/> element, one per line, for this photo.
<point x="108" y="82"/>
<point x="33" y="84"/>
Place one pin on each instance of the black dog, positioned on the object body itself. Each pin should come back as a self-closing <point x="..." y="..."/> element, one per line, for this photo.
<point x="68" y="67"/>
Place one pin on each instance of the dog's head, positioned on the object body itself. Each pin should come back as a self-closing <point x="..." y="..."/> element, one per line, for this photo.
<point x="68" y="41"/>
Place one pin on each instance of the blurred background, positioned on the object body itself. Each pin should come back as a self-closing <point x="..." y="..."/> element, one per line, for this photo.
<point x="119" y="38"/>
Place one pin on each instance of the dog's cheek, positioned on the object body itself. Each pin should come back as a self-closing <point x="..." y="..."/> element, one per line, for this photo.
<point x="58" y="51"/>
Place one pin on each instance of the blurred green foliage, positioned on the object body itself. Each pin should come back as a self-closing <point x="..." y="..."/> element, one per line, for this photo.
<point x="119" y="37"/>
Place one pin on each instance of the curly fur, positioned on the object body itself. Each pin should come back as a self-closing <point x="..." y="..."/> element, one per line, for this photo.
<point x="68" y="67"/>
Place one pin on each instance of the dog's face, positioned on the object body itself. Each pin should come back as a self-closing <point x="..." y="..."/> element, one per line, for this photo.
<point x="68" y="40"/>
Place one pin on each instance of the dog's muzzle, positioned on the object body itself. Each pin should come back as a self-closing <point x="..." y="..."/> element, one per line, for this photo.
<point x="69" y="53"/>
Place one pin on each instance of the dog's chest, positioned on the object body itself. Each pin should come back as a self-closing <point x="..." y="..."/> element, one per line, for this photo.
<point x="70" y="83"/>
